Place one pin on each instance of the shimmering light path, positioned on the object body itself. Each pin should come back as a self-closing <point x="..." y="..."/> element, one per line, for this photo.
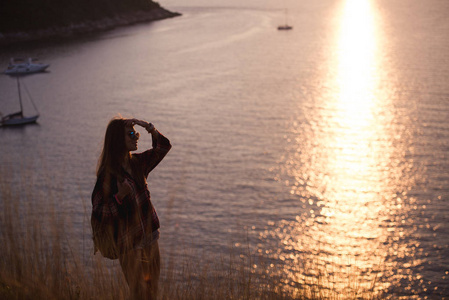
<point x="344" y="170"/>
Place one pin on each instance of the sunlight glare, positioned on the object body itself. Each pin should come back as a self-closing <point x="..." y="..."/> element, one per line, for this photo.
<point x="356" y="59"/>
<point x="343" y="164"/>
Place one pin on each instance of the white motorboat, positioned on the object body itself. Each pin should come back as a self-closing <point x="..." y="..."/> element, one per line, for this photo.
<point x="18" y="66"/>
<point x="18" y="118"/>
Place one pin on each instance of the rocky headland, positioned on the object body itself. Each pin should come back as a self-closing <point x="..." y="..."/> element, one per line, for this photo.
<point x="50" y="19"/>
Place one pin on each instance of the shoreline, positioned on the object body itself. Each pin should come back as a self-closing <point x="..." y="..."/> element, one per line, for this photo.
<point x="86" y="27"/>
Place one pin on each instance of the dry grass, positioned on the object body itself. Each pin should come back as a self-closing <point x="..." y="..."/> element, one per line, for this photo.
<point x="39" y="260"/>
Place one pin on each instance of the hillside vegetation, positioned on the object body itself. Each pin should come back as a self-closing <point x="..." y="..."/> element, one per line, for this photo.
<point x="33" y="20"/>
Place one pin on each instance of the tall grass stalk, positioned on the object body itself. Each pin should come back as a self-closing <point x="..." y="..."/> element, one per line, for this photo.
<point x="41" y="258"/>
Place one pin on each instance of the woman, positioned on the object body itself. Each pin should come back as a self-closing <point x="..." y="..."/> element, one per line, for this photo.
<point x="121" y="203"/>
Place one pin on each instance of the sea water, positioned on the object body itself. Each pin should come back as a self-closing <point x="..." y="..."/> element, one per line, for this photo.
<point x="323" y="148"/>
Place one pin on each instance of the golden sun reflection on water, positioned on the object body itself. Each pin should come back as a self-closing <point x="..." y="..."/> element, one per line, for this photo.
<point x="347" y="227"/>
<point x="345" y="172"/>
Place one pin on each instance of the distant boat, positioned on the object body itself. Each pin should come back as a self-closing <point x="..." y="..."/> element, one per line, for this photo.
<point x="18" y="118"/>
<point x="19" y="66"/>
<point x="286" y="26"/>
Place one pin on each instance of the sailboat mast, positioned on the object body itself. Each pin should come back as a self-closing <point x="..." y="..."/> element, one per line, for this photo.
<point x="20" y="97"/>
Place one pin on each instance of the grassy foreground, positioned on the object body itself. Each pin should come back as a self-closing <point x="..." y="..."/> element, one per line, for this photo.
<point x="41" y="259"/>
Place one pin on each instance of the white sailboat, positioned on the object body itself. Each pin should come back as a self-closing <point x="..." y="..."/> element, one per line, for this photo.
<point x="285" y="26"/>
<point x="18" y="118"/>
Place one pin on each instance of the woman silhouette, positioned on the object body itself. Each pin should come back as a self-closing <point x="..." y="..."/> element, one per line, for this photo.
<point x="122" y="208"/>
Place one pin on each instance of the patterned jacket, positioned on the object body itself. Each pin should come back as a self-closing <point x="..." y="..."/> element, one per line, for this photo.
<point x="134" y="218"/>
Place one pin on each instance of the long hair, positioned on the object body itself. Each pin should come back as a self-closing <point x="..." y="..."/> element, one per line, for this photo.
<point x="114" y="149"/>
<point x="113" y="154"/>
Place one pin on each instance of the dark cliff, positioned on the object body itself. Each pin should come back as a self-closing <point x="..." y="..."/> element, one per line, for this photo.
<point x="38" y="19"/>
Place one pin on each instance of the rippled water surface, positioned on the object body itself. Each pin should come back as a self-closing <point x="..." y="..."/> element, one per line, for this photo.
<point x="323" y="149"/>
